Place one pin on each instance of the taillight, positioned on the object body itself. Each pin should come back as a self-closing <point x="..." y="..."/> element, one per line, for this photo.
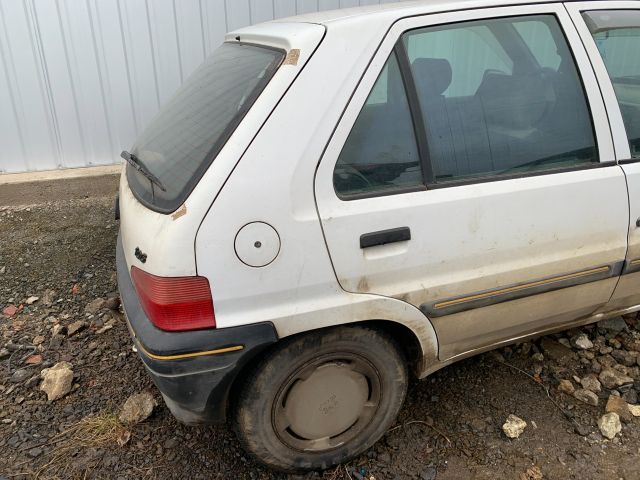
<point x="175" y="303"/>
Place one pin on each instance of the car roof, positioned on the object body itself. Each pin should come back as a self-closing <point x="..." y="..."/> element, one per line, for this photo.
<point x="402" y="9"/>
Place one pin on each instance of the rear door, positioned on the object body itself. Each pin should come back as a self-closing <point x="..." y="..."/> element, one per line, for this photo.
<point x="611" y="34"/>
<point x="473" y="176"/>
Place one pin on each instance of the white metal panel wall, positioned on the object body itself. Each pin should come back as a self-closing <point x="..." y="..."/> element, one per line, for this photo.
<point x="79" y="79"/>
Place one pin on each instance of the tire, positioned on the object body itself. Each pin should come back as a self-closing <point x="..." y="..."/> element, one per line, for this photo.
<point x="321" y="398"/>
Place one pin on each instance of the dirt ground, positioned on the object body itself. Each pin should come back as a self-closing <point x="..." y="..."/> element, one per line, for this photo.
<point x="450" y="427"/>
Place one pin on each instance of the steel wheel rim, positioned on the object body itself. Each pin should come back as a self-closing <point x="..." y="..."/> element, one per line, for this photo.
<point x="327" y="402"/>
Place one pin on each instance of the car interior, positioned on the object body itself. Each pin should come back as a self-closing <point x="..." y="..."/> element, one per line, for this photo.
<point x="525" y="116"/>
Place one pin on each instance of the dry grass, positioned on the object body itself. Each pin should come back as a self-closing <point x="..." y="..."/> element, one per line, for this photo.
<point x="94" y="431"/>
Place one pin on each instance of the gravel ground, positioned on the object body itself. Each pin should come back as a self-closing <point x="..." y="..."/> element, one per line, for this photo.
<point x="450" y="428"/>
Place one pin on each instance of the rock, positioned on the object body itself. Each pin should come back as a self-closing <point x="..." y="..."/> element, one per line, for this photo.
<point x="586" y="396"/>
<point x="591" y="383"/>
<point x="565" y="342"/>
<point x="95" y="306"/>
<point x="59" y="330"/>
<point x="628" y="359"/>
<point x="19" y="375"/>
<point x="429" y="473"/>
<point x="107" y="326"/>
<point x="4" y="353"/>
<point x="613" y="325"/>
<point x="630" y="396"/>
<point x="137" y="408"/>
<point x="10" y="310"/>
<point x="618" y="405"/>
<point x="56" y="342"/>
<point x="565" y="386"/>
<point x="57" y="380"/>
<point x="38" y="339"/>
<point x="34" y="360"/>
<point x="581" y="341"/>
<point x="596" y="367"/>
<point x="31" y="300"/>
<point x="610" y="425"/>
<point x="537" y="357"/>
<point x="582" y="430"/>
<point x="532" y="473"/>
<point x="170" y="443"/>
<point x="556" y="351"/>
<point x="49" y="297"/>
<point x="612" y="378"/>
<point x="75" y="327"/>
<point x="514" y="426"/>
<point x="635" y="410"/>
<point x="607" y="361"/>
<point x="632" y="344"/>
<point x="112" y="303"/>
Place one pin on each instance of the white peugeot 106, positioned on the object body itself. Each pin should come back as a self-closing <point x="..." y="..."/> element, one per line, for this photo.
<point x="335" y="201"/>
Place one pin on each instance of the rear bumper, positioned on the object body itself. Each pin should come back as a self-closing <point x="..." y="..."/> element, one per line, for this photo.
<point x="195" y="370"/>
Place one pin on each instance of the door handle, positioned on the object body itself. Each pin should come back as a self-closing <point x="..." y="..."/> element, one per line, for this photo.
<point x="382" y="237"/>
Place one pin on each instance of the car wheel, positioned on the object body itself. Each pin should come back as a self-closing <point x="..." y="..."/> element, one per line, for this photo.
<point x="321" y="398"/>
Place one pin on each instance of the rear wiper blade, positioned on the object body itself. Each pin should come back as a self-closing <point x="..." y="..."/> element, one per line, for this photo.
<point x="136" y="163"/>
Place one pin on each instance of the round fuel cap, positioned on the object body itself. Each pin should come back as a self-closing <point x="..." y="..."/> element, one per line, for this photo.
<point x="257" y="244"/>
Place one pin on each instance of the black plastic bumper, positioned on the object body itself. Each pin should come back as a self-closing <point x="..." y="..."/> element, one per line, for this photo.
<point x="196" y="384"/>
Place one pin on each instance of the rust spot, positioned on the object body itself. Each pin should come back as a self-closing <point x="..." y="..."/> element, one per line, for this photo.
<point x="292" y="57"/>
<point x="180" y="212"/>
<point x="363" y="285"/>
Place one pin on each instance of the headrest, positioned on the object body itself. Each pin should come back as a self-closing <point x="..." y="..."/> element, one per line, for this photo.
<point x="432" y="75"/>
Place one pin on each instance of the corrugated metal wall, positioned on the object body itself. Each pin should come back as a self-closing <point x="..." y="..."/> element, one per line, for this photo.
<point x="79" y="79"/>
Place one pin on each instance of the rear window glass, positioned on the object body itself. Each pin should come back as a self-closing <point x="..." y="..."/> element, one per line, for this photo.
<point x="188" y="133"/>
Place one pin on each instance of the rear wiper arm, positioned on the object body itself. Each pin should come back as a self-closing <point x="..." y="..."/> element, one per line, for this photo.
<point x="136" y="163"/>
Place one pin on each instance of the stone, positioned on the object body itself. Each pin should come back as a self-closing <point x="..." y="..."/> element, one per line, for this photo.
<point x="514" y="426"/>
<point x="107" y="326"/>
<point x="613" y="325"/>
<point x="137" y="408"/>
<point x="4" y="353"/>
<point x="57" y="380"/>
<point x="56" y="342"/>
<point x="632" y="344"/>
<point x="630" y="396"/>
<point x="607" y="361"/>
<point x="429" y="473"/>
<point x="10" y="310"/>
<point x="635" y="410"/>
<point x="537" y="357"/>
<point x="95" y="306"/>
<point x="38" y="339"/>
<point x="611" y="378"/>
<point x="565" y="386"/>
<point x="628" y="359"/>
<point x="49" y="297"/>
<point x="609" y="425"/>
<point x="586" y="396"/>
<point x="582" y="430"/>
<point x="75" y="327"/>
<point x="591" y="383"/>
<point x="19" y="375"/>
<point x="618" y="405"/>
<point x="556" y="351"/>
<point x="31" y="300"/>
<point x="581" y="342"/>
<point x="59" y="330"/>
<point x="596" y="367"/>
<point x="112" y="303"/>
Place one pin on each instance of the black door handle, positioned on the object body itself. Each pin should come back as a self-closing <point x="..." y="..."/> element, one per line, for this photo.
<point x="383" y="237"/>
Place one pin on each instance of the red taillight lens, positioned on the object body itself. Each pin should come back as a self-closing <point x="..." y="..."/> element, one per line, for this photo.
<point x="175" y="303"/>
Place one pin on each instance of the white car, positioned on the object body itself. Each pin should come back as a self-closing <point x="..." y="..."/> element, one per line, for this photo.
<point x="334" y="201"/>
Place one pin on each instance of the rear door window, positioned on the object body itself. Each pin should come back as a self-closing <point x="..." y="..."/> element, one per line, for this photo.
<point x="617" y="36"/>
<point x="500" y="97"/>
<point x="189" y="132"/>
